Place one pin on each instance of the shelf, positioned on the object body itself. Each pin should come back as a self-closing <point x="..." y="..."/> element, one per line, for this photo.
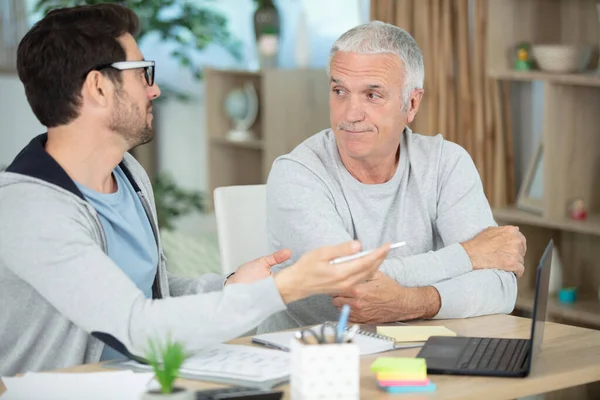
<point x="589" y="78"/>
<point x="584" y="311"/>
<point x="239" y="72"/>
<point x="513" y="215"/>
<point x="252" y="145"/>
<point x="8" y="71"/>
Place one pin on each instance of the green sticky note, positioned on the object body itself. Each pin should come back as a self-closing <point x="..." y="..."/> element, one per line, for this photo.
<point x="400" y="364"/>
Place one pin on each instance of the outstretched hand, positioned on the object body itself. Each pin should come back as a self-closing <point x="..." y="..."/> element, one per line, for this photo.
<point x="260" y="268"/>
<point x="313" y="273"/>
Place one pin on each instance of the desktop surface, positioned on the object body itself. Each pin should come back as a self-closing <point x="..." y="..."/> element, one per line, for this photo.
<point x="578" y="350"/>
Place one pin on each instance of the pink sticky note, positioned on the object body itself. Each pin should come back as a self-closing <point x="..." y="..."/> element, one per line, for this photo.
<point x="404" y="383"/>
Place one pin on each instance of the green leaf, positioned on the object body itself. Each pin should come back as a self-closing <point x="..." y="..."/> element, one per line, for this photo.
<point x="172" y="201"/>
<point x="166" y="359"/>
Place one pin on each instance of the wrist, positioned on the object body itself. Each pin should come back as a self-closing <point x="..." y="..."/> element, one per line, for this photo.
<point x="469" y="250"/>
<point x="285" y="284"/>
<point x="432" y="302"/>
<point x="227" y="278"/>
<point x="419" y="303"/>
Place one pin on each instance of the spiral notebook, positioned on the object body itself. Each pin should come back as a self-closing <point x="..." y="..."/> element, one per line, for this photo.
<point x="368" y="342"/>
<point x="230" y="364"/>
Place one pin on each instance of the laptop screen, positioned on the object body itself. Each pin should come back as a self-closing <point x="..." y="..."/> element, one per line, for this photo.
<point x="540" y="302"/>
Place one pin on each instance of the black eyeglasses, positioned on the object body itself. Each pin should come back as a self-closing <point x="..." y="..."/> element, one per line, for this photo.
<point x="123" y="65"/>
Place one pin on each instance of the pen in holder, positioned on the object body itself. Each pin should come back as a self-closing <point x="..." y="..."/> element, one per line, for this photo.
<point x="322" y="368"/>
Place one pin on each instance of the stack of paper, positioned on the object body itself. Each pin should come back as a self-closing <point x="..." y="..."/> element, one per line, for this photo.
<point x="402" y="375"/>
<point x="406" y="334"/>
<point x="113" y="385"/>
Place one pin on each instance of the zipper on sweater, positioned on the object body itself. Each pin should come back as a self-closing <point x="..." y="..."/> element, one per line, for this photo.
<point x="147" y="208"/>
<point x="100" y="227"/>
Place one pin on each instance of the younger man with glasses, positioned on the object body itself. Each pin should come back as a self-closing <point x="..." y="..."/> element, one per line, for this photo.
<point x="80" y="253"/>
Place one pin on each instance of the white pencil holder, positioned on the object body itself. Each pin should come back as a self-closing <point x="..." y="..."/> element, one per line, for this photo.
<point x="324" y="371"/>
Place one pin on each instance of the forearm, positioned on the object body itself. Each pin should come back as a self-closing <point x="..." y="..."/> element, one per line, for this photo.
<point x="210" y="282"/>
<point x="288" y="291"/>
<point x="477" y="293"/>
<point x="428" y="268"/>
<point x="201" y="320"/>
<point x="419" y="303"/>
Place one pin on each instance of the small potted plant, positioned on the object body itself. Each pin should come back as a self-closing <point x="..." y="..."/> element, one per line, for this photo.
<point x="166" y="360"/>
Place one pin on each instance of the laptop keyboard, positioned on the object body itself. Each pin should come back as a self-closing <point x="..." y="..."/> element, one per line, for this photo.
<point x="494" y="354"/>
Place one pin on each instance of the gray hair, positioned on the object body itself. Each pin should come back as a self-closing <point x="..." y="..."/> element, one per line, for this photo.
<point x="377" y="37"/>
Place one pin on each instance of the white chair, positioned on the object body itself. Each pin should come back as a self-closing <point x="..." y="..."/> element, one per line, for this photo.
<point x="241" y="224"/>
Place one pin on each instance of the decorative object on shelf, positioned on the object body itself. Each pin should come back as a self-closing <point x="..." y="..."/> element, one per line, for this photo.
<point x="578" y="209"/>
<point x="563" y="58"/>
<point x="531" y="194"/>
<point x="166" y="360"/>
<point x="241" y="106"/>
<point x="523" y="57"/>
<point x="567" y="295"/>
<point x="302" y="50"/>
<point x="556" y="273"/>
<point x="267" y="31"/>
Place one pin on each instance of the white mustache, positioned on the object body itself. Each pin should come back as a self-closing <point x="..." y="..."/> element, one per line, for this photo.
<point x="348" y="126"/>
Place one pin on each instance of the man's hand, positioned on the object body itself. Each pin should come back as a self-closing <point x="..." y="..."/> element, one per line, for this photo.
<point x="383" y="300"/>
<point x="501" y="247"/>
<point x="259" y="268"/>
<point x="313" y="274"/>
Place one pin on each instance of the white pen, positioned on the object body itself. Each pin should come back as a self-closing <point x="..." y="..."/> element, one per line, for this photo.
<point x="340" y="260"/>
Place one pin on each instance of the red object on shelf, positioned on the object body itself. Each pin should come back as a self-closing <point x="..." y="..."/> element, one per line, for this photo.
<point x="579" y="214"/>
<point x="578" y="209"/>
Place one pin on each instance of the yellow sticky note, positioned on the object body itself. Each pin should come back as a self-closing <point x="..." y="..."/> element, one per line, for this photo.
<point x="401" y="376"/>
<point x="414" y="333"/>
<point x="409" y="366"/>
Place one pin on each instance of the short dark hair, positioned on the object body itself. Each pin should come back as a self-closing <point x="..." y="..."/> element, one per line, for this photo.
<point x="55" y="56"/>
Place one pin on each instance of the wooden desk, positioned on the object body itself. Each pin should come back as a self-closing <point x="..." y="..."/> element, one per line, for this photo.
<point x="570" y="357"/>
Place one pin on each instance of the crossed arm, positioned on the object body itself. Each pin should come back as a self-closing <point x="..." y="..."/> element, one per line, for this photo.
<point x="475" y="274"/>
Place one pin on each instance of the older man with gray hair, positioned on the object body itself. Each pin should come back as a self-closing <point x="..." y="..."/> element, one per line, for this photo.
<point x="369" y="177"/>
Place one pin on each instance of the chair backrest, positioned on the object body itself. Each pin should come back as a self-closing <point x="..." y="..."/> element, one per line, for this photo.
<point x="241" y="224"/>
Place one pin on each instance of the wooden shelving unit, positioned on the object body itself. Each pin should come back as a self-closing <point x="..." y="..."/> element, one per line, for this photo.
<point x="7" y="71"/>
<point x="590" y="79"/>
<point x="513" y="215"/>
<point x="584" y="311"/>
<point x="571" y="140"/>
<point x="250" y="144"/>
<point x="293" y="105"/>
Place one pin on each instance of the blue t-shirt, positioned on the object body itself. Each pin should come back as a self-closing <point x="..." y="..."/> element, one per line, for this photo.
<point x="129" y="236"/>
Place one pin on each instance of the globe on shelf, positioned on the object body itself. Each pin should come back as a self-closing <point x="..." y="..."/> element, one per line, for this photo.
<point x="241" y="105"/>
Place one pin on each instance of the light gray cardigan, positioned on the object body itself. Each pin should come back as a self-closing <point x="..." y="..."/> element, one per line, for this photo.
<point x="57" y="284"/>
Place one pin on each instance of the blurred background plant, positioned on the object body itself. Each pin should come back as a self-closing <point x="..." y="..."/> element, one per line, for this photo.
<point x="173" y="202"/>
<point x="190" y="26"/>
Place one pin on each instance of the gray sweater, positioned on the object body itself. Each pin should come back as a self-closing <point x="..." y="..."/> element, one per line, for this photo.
<point x="58" y="285"/>
<point x="434" y="201"/>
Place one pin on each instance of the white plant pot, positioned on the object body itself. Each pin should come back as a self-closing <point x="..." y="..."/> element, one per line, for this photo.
<point x="177" y="394"/>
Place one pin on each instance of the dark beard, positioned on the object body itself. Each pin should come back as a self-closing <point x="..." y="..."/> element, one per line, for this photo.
<point x="126" y="121"/>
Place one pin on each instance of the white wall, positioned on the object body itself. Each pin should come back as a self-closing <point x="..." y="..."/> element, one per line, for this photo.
<point x="17" y="122"/>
